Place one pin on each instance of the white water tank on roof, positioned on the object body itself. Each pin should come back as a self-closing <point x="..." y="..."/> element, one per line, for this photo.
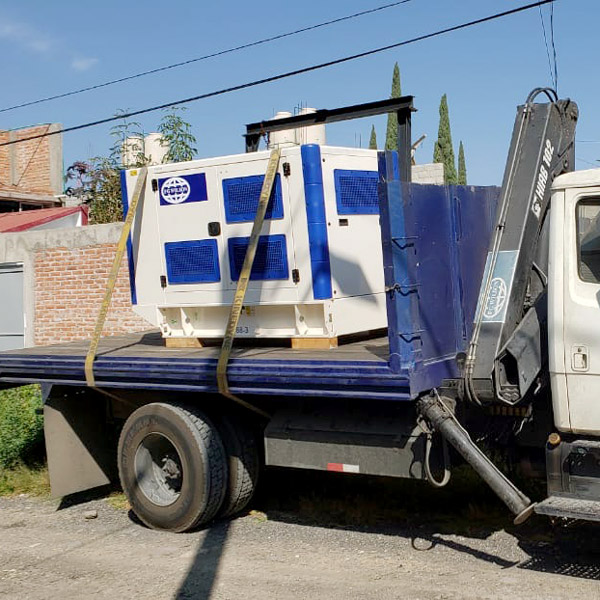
<point x="314" y="134"/>
<point x="285" y="138"/>
<point x="155" y="148"/>
<point x="131" y="149"/>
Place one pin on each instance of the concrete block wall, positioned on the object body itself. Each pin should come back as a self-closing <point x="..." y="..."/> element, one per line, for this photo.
<point x="65" y="272"/>
<point x="432" y="173"/>
<point x="34" y="165"/>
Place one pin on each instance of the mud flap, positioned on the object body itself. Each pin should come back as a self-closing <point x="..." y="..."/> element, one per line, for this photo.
<point x="78" y="442"/>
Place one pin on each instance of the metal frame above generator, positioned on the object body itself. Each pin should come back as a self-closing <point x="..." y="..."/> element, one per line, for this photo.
<point x="318" y="268"/>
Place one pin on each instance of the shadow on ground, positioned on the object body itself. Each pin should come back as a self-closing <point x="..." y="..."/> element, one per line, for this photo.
<point x="464" y="509"/>
<point x="200" y="579"/>
<point x="82" y="497"/>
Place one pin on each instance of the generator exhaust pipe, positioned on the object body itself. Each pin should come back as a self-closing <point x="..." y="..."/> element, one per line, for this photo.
<point x="442" y="420"/>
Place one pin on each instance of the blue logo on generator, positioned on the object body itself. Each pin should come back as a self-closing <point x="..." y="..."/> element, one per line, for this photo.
<point x="182" y="188"/>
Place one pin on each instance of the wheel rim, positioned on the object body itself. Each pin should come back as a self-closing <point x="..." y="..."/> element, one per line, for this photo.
<point x="158" y="469"/>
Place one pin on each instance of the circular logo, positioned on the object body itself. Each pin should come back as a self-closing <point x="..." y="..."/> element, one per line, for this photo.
<point x="175" y="190"/>
<point x="496" y="298"/>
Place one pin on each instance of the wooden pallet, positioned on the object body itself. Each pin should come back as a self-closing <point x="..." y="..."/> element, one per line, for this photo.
<point x="297" y="343"/>
<point x="294" y="343"/>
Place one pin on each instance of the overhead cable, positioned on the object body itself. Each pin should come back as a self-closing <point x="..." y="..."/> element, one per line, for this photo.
<point x="547" y="48"/>
<point x="280" y="76"/>
<point x="553" y="46"/>
<point x="205" y="57"/>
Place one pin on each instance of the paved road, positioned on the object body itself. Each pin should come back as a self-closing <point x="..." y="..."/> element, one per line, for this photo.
<point x="330" y="543"/>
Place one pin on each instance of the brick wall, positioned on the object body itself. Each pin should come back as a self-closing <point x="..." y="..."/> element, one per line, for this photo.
<point x="69" y="288"/>
<point x="32" y="166"/>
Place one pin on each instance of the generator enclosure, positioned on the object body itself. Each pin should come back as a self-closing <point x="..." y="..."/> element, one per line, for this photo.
<point x="318" y="271"/>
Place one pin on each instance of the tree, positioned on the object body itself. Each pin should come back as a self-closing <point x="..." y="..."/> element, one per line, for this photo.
<point x="178" y="135"/>
<point x="391" y="136"/>
<point x="97" y="181"/>
<point x="373" y="139"/>
<point x="462" y="165"/>
<point x="77" y="174"/>
<point x="127" y="150"/>
<point x="106" y="205"/>
<point x="443" y="151"/>
<point x="104" y="178"/>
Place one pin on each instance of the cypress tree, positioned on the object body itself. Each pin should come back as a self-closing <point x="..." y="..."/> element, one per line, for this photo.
<point x="391" y="136"/>
<point x="443" y="151"/>
<point x="462" y="165"/>
<point x="373" y="139"/>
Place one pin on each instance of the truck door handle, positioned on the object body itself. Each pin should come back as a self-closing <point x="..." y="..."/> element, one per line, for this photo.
<point x="579" y="358"/>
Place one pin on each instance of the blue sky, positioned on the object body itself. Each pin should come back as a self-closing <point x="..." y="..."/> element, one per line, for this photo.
<point x="49" y="48"/>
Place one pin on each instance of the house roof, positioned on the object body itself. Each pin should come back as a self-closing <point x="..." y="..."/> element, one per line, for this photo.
<point x="27" y="219"/>
<point x="15" y="194"/>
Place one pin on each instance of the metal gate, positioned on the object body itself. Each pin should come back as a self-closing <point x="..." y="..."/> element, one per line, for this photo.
<point x="12" y="321"/>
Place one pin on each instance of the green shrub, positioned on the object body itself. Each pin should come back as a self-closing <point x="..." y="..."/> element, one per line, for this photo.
<point x="21" y="428"/>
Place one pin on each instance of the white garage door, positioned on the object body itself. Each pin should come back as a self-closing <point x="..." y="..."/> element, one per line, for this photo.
<point x="12" y="325"/>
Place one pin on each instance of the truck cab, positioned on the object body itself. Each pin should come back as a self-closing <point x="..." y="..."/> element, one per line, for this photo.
<point x="574" y="302"/>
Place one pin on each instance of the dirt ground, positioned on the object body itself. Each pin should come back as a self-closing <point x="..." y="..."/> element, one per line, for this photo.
<point x="363" y="539"/>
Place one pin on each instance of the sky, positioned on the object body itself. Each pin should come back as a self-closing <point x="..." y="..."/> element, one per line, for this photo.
<point x="53" y="47"/>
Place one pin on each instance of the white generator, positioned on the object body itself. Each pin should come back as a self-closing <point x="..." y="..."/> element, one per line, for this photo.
<point x="318" y="271"/>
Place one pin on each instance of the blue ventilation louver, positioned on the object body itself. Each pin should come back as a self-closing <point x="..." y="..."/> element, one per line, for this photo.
<point x="241" y="195"/>
<point x="194" y="261"/>
<point x="271" y="257"/>
<point x="356" y="192"/>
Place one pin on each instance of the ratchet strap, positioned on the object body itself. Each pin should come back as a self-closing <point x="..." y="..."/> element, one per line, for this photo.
<point x="112" y="277"/>
<point x="242" y="285"/>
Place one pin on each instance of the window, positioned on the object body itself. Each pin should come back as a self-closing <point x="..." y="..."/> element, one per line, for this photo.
<point x="588" y="240"/>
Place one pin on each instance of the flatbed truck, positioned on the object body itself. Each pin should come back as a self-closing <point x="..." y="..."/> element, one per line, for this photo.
<point x="493" y="342"/>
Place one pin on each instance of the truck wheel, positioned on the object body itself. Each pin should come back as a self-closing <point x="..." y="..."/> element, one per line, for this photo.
<point x="172" y="466"/>
<point x="243" y="464"/>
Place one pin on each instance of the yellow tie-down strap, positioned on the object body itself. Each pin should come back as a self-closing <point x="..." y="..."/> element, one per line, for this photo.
<point x="112" y="277"/>
<point x="242" y="285"/>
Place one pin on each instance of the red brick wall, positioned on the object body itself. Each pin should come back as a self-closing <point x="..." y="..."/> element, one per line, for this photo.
<point x="31" y="161"/>
<point x="69" y="288"/>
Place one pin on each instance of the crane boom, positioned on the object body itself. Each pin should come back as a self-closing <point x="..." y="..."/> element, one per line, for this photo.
<point x="514" y="279"/>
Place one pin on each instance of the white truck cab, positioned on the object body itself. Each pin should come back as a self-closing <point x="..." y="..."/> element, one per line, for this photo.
<point x="574" y="302"/>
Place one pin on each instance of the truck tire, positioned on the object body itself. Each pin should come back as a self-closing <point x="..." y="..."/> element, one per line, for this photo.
<point x="243" y="463"/>
<point x="172" y="466"/>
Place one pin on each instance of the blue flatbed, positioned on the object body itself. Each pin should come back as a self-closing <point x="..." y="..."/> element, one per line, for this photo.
<point x="141" y="361"/>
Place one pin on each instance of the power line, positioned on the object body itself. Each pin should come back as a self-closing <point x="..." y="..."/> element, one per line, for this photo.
<point x="553" y="46"/>
<point x="547" y="48"/>
<point x="206" y="56"/>
<point x="273" y="78"/>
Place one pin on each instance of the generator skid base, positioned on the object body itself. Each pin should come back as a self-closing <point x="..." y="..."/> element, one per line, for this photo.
<point x="294" y="343"/>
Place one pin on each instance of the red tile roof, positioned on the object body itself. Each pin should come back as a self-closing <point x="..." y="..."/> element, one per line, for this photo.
<point x="20" y="221"/>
